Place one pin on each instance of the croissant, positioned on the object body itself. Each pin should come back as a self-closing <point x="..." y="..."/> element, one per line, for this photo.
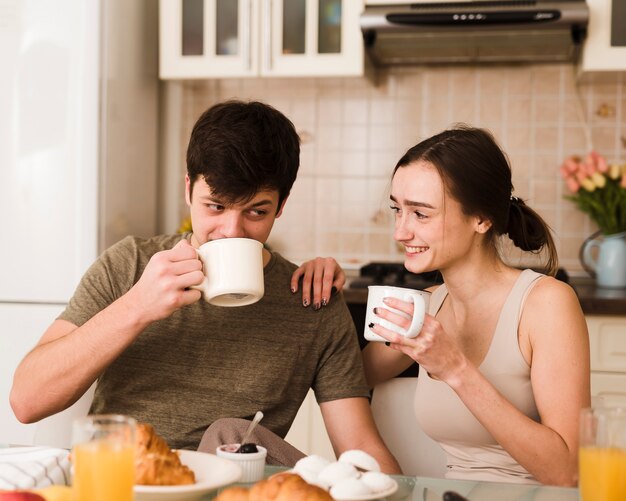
<point x="279" y="487"/>
<point x="156" y="463"/>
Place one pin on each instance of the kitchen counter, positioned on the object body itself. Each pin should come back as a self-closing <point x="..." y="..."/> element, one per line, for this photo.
<point x="598" y="301"/>
<point x="594" y="300"/>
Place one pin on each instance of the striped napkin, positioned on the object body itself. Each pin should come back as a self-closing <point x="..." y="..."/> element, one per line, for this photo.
<point x="33" y="467"/>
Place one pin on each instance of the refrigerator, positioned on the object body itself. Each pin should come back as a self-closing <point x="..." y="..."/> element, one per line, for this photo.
<point x="78" y="158"/>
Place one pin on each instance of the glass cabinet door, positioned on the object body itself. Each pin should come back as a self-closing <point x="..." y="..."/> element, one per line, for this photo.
<point x="312" y="37"/>
<point x="237" y="38"/>
<point x="329" y="27"/>
<point x="208" y="38"/>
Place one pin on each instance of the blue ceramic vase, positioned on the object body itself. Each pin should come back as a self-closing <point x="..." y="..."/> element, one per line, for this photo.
<point x="604" y="256"/>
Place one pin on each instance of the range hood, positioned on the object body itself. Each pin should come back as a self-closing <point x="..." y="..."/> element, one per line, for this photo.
<point x="505" y="31"/>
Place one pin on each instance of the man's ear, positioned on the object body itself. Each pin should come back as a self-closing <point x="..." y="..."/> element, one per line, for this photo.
<point x="187" y="190"/>
<point x="282" y="206"/>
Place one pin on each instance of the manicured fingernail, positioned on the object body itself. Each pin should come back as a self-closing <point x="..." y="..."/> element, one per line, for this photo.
<point x="293" y="289"/>
<point x="375" y="311"/>
<point x="387" y="343"/>
<point x="333" y="290"/>
<point x="385" y="300"/>
<point x="324" y="301"/>
<point x="371" y="324"/>
<point x="305" y="303"/>
<point x="317" y="306"/>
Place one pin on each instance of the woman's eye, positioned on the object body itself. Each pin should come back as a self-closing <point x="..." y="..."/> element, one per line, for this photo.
<point x="420" y="215"/>
<point x="395" y="209"/>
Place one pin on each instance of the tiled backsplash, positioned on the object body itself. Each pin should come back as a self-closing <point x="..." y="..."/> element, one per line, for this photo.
<point x="353" y="131"/>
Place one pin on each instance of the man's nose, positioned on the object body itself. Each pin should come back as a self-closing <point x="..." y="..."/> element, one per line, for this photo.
<point x="232" y="226"/>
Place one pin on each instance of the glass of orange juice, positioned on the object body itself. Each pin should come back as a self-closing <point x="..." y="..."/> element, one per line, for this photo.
<point x="602" y="454"/>
<point x="103" y="458"/>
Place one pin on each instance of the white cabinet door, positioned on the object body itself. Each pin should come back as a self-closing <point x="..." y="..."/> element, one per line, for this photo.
<point x="245" y="38"/>
<point x="312" y="38"/>
<point x="208" y="38"/>
<point x="21" y="327"/>
<point x="607" y="342"/>
<point x="608" y="389"/>
<point x="605" y="46"/>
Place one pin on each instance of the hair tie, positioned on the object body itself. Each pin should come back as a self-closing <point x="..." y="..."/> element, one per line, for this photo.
<point x="514" y="199"/>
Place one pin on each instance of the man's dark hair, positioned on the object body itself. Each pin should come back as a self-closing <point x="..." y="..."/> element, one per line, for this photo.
<point x="241" y="148"/>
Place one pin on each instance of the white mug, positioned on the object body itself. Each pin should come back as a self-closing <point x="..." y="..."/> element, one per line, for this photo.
<point x="233" y="271"/>
<point x="375" y="295"/>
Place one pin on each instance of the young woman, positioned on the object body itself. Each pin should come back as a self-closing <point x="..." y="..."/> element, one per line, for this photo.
<point x="503" y="354"/>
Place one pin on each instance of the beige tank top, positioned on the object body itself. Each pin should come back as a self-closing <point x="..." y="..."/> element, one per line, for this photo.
<point x="472" y="453"/>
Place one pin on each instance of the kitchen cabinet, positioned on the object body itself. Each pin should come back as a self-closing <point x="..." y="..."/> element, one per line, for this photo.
<point x="251" y="38"/>
<point x="605" y="47"/>
<point x="607" y="340"/>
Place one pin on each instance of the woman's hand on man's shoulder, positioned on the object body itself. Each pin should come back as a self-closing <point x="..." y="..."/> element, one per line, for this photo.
<point x="321" y="278"/>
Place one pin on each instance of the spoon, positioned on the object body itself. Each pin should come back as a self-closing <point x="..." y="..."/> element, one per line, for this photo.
<point x="257" y="417"/>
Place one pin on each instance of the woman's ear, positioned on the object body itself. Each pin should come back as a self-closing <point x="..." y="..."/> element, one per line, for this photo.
<point x="483" y="225"/>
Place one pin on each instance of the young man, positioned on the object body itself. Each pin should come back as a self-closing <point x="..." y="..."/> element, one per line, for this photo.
<point x="163" y="356"/>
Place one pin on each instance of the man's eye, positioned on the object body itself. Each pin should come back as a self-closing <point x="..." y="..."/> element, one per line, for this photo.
<point x="215" y="207"/>
<point x="258" y="212"/>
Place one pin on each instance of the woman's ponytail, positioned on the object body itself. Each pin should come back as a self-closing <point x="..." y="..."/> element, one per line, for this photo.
<point x="529" y="232"/>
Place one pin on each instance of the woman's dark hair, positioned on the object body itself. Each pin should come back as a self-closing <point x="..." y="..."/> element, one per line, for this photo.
<point x="241" y="148"/>
<point x="475" y="172"/>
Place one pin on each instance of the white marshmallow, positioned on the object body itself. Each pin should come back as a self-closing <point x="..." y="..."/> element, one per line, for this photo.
<point x="349" y="488"/>
<point x="310" y="478"/>
<point x="309" y="468"/>
<point x="312" y="463"/>
<point x="360" y="459"/>
<point x="335" y="472"/>
<point x="376" y="481"/>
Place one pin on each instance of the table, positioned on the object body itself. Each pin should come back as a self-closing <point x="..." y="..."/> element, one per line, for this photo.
<point x="432" y="489"/>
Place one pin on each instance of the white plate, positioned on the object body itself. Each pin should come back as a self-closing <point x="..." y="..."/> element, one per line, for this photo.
<point x="369" y="497"/>
<point x="211" y="473"/>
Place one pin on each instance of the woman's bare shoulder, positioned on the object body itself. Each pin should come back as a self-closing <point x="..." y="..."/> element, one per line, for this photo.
<point x="552" y="304"/>
<point x="549" y="289"/>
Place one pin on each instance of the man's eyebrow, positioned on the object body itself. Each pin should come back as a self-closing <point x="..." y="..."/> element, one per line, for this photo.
<point x="217" y="201"/>
<point x="412" y="203"/>
<point x="262" y="202"/>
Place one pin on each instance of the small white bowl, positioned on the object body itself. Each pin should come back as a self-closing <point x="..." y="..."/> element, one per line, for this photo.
<point x="252" y="464"/>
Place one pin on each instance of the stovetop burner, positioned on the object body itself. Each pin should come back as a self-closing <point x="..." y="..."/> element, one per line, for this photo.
<point x="384" y="273"/>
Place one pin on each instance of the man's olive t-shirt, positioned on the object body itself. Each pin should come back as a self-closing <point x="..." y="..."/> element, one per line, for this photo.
<point x="206" y="362"/>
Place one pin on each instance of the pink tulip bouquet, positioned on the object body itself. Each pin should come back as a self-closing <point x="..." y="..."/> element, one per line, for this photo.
<point x="598" y="189"/>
